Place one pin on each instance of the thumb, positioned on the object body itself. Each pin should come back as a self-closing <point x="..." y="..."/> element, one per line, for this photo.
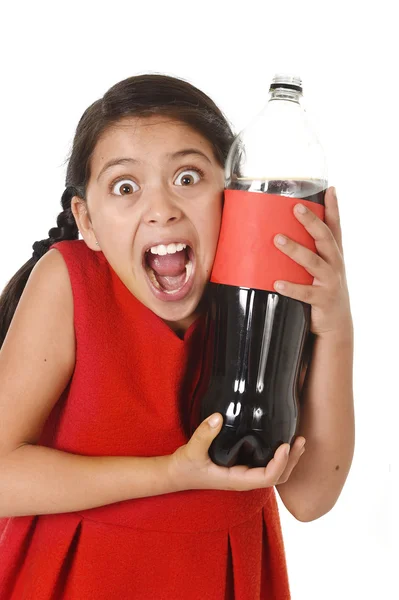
<point x="204" y="434"/>
<point x="214" y="420"/>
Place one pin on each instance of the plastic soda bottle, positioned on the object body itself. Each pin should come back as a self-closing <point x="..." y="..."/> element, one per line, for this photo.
<point x="255" y="337"/>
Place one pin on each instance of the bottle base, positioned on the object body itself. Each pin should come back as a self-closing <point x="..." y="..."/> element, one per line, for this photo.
<point x="230" y="448"/>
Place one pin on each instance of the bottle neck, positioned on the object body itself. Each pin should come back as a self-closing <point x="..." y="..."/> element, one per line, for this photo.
<point x="285" y="94"/>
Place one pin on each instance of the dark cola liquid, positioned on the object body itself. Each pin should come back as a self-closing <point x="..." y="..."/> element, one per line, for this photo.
<point x="255" y="344"/>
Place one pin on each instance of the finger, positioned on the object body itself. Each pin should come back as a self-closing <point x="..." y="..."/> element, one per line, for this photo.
<point x="244" y="477"/>
<point x="284" y="464"/>
<point x="262" y="477"/>
<point x="290" y="467"/>
<point x="267" y="476"/>
<point x="312" y="294"/>
<point x="312" y="262"/>
<point x="326" y="244"/>
<point x="331" y="215"/>
<point x="278" y="464"/>
<point x="295" y="455"/>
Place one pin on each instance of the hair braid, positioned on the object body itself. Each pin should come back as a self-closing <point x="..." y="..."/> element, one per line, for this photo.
<point x="66" y="226"/>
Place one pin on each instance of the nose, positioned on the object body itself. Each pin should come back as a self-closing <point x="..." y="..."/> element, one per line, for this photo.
<point x="162" y="209"/>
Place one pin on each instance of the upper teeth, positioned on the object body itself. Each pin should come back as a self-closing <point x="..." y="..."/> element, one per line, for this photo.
<point x="169" y="249"/>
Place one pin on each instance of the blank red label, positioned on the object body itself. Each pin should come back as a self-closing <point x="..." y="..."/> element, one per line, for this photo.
<point x="246" y="255"/>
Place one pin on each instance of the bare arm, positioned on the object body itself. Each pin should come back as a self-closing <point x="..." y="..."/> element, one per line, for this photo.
<point x="39" y="480"/>
<point x="37" y="361"/>
<point x="327" y="423"/>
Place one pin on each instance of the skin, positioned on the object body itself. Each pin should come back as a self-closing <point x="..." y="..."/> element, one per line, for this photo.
<point x="164" y="198"/>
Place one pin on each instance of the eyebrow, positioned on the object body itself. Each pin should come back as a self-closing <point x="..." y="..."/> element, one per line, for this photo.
<point x="170" y="156"/>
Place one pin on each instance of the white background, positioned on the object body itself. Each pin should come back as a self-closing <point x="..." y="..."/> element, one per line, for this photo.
<point x="56" y="59"/>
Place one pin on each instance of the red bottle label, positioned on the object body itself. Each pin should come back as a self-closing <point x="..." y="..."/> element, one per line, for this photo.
<point x="246" y="255"/>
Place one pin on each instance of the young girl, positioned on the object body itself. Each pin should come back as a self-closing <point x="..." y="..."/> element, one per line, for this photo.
<point x="103" y="493"/>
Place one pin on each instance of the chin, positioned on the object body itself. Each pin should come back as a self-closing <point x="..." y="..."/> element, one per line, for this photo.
<point x="175" y="311"/>
<point x="181" y="310"/>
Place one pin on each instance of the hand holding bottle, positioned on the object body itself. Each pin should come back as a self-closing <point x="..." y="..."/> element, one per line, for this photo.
<point x="191" y="467"/>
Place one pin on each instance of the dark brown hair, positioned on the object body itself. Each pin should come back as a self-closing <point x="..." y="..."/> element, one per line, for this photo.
<point x="139" y="96"/>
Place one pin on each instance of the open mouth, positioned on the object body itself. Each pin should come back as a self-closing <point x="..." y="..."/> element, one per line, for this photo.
<point x="170" y="270"/>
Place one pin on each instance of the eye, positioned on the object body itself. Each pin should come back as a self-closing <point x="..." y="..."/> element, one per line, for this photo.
<point x="189" y="178"/>
<point x="121" y="184"/>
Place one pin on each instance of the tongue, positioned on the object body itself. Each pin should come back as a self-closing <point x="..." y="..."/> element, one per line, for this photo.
<point x="168" y="265"/>
<point x="169" y="269"/>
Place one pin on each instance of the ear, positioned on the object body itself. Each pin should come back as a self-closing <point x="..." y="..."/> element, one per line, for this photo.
<point x="82" y="219"/>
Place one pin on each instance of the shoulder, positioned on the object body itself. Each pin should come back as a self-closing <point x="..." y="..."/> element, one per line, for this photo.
<point x="50" y="276"/>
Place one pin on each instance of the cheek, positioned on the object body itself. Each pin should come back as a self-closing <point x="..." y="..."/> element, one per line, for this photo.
<point x="215" y="210"/>
<point x="215" y="223"/>
<point x="208" y="222"/>
<point x="211" y="236"/>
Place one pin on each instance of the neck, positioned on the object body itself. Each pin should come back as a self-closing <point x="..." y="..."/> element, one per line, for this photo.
<point x="180" y="327"/>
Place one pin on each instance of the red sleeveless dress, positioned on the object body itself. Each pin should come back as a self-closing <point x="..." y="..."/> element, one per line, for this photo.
<point x="130" y="395"/>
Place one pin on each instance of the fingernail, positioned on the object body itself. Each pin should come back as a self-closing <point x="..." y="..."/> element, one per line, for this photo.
<point x="214" y="421"/>
<point x="301" y="209"/>
<point x="287" y="450"/>
<point x="280" y="239"/>
<point x="334" y="192"/>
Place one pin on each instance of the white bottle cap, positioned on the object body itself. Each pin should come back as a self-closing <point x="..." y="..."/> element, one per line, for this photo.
<point x="284" y="80"/>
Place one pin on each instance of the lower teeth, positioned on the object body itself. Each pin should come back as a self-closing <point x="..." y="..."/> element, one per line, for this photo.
<point x="153" y="279"/>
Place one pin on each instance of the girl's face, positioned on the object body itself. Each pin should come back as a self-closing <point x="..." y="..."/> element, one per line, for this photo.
<point x="167" y="190"/>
